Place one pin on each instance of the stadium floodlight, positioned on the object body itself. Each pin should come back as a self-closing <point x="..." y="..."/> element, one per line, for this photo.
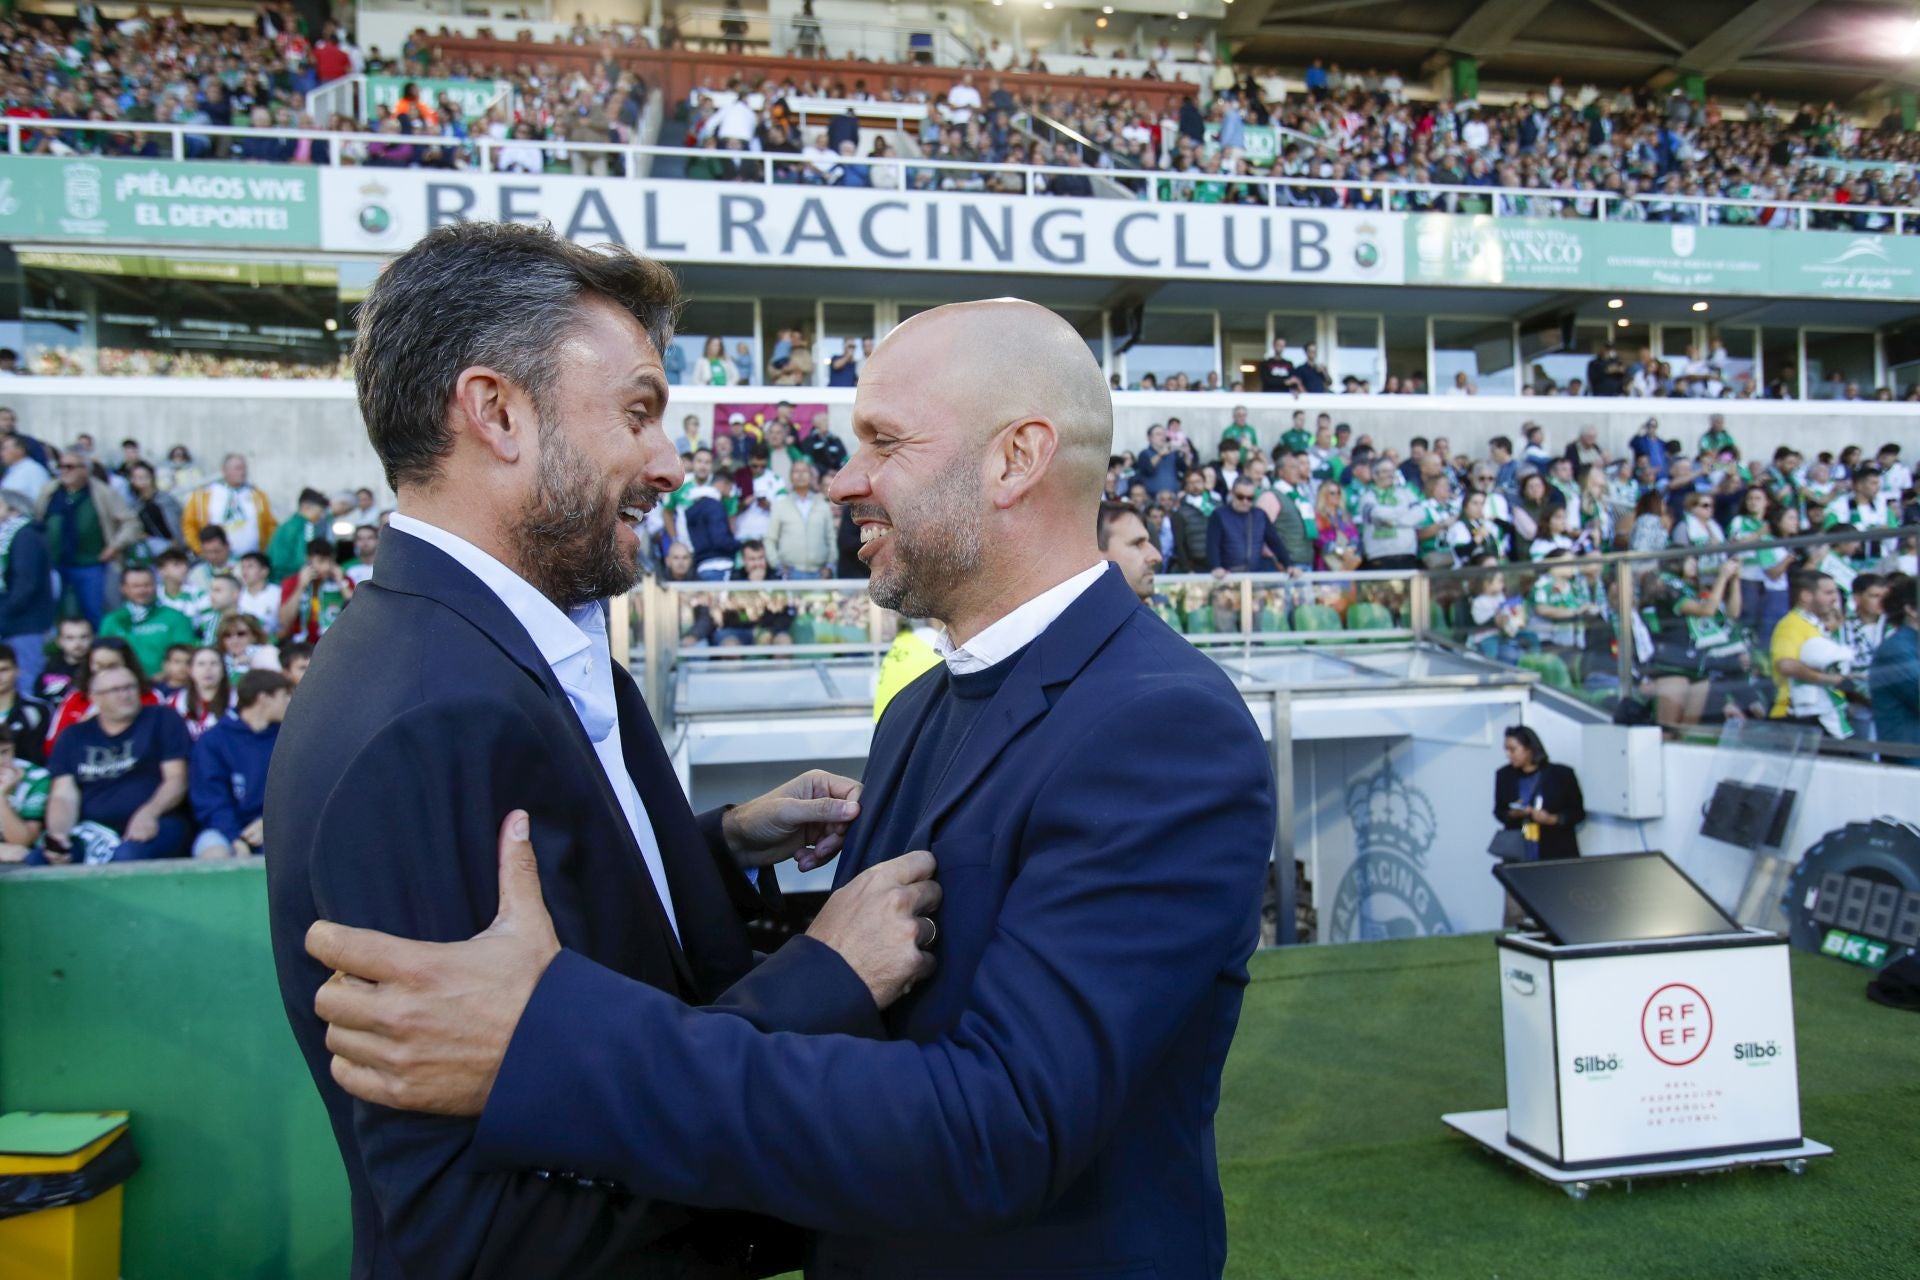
<point x="1106" y="8"/>
<point x="1614" y="304"/>
<point x="1699" y="306"/>
<point x="1622" y="322"/>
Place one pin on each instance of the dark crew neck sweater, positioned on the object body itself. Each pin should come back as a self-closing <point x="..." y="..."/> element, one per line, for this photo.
<point x="960" y="703"/>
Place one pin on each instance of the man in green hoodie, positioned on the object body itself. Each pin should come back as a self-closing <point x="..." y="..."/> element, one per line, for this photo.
<point x="287" y="551"/>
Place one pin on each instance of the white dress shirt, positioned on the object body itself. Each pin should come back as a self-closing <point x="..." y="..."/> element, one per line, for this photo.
<point x="1002" y="639"/>
<point x="574" y="647"/>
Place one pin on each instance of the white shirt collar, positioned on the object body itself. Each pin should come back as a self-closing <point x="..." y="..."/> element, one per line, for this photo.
<point x="1014" y="631"/>
<point x="570" y="643"/>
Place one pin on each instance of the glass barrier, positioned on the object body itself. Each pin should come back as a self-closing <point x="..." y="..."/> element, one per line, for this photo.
<point x="1685" y="637"/>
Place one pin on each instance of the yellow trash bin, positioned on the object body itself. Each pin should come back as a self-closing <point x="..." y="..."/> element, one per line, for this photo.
<point x="60" y="1185"/>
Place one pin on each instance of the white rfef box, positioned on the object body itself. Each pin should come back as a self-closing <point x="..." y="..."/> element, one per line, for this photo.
<point x="1635" y="1051"/>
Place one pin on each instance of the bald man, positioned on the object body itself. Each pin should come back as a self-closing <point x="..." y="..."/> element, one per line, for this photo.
<point x="1098" y="802"/>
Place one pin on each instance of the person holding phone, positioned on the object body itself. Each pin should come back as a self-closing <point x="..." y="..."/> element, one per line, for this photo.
<point x="311" y="601"/>
<point x="1538" y="798"/>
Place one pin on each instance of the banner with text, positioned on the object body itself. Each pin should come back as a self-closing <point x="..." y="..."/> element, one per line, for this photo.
<point x="474" y="96"/>
<point x="158" y="202"/>
<point x="680" y="221"/>
<point x="1450" y="249"/>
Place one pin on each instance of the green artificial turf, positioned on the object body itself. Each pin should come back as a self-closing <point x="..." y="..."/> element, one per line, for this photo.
<point x="1335" y="1163"/>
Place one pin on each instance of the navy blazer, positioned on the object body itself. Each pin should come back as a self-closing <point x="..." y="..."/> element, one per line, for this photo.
<point x="1046" y="1104"/>
<point x="427" y="715"/>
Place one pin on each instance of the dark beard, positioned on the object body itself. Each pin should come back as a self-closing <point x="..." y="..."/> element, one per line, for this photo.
<point x="567" y="540"/>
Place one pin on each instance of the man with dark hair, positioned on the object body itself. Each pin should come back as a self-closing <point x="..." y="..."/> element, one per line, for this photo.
<point x="512" y="384"/>
<point x="295" y="657"/>
<point x="227" y="774"/>
<point x="1124" y="540"/>
<point x="1043" y="1103"/>
<point x="72" y="641"/>
<point x="287" y="549"/>
<point x="1808" y="679"/>
<point x="216" y="557"/>
<point x="173" y="590"/>
<point x="366" y="545"/>
<point x="311" y="600"/>
<point x="147" y="626"/>
<point x="26" y="717"/>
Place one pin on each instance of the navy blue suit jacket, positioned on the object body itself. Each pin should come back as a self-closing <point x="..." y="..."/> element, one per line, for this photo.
<point x="1046" y="1104"/>
<point x="427" y="715"/>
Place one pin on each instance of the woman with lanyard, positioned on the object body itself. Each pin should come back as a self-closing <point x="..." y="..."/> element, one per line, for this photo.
<point x="1537" y="804"/>
<point x="1475" y="535"/>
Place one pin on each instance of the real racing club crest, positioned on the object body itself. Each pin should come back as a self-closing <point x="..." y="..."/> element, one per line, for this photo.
<point x="1384" y="893"/>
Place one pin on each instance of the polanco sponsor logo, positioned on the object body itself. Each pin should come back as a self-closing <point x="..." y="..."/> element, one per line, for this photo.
<point x="1452" y="248"/>
<point x="1385" y="893"/>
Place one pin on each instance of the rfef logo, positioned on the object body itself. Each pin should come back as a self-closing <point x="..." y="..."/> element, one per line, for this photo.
<point x="1676" y="1024"/>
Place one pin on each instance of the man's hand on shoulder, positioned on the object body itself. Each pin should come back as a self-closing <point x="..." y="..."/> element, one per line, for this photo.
<point x="424" y="1026"/>
<point x="805" y="820"/>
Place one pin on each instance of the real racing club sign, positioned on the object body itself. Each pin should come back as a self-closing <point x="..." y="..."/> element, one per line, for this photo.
<point x="724" y="222"/>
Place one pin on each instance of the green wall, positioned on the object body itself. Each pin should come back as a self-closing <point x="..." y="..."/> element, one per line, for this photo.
<point x="152" y="990"/>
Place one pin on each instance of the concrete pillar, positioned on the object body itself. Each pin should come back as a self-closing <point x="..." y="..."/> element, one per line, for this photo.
<point x="1466" y="77"/>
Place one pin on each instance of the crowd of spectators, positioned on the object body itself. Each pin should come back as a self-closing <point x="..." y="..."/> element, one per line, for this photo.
<point x="154" y="623"/>
<point x="1721" y="628"/>
<point x="1646" y="154"/>
<point x="143" y="362"/>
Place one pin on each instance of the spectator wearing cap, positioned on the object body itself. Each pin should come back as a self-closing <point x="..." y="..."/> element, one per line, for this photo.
<point x="122" y="773"/>
<point x="287" y="549"/>
<point x="227" y="774"/>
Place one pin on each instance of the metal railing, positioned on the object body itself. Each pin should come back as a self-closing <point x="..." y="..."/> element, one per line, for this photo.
<point x="1246" y="617"/>
<point x="1152" y="186"/>
<point x="1607" y="674"/>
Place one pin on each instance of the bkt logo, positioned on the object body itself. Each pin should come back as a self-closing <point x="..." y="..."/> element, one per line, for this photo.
<point x="1521" y="981"/>
<point x="1755" y="1054"/>
<point x="1676" y="1024"/>
<point x="1595" y="1064"/>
